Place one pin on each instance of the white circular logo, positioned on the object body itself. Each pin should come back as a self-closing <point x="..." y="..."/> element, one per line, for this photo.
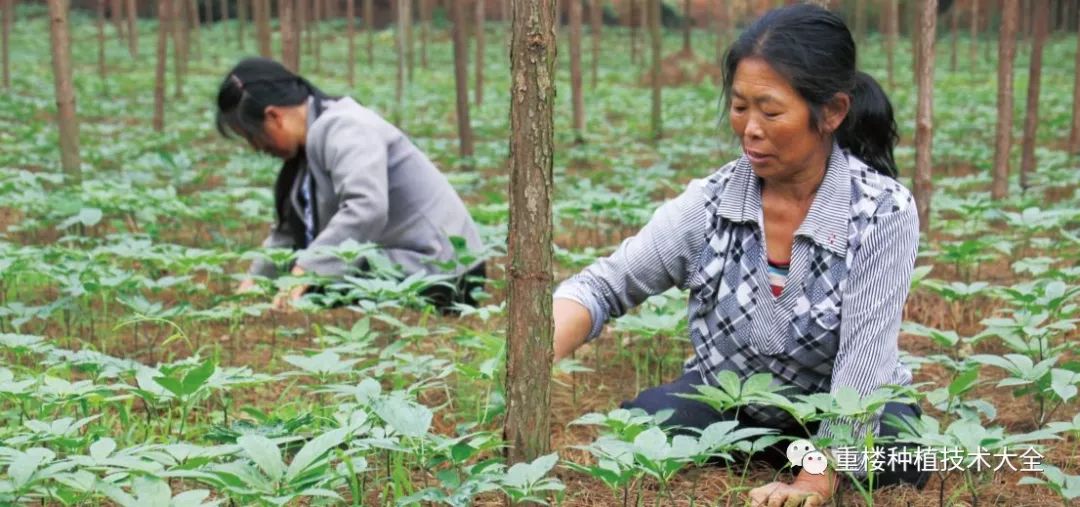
<point x="814" y="463"/>
<point x="797" y="449"/>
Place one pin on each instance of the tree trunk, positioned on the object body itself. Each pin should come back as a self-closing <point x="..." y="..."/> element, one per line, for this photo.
<point x="224" y="19"/>
<point x="1010" y="14"/>
<point x="973" y="55"/>
<point x="529" y="323"/>
<point x="410" y="39"/>
<point x="290" y="40"/>
<point x="596" y="18"/>
<point x="369" y="26"/>
<point x="116" y="15"/>
<point x="65" y="90"/>
<point x="425" y="29"/>
<point x="652" y="13"/>
<point x="578" y="102"/>
<point x="924" y="122"/>
<point x="892" y="33"/>
<point x="164" y="8"/>
<point x="261" y="10"/>
<point x="1074" y="132"/>
<point x="722" y="24"/>
<point x="176" y="26"/>
<point x="241" y="20"/>
<point x="461" y="79"/>
<point x="954" y="28"/>
<point x="479" y="64"/>
<point x="350" y="30"/>
<point x="313" y="29"/>
<point x="401" y="41"/>
<point x="102" y="71"/>
<point x="635" y="22"/>
<point x="1027" y="158"/>
<point x="687" y="23"/>
<point x="300" y="20"/>
<point x="132" y="29"/>
<point x="860" y="23"/>
<point x="196" y="27"/>
<point x="7" y="10"/>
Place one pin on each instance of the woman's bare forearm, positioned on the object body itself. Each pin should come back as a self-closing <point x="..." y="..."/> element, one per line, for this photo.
<point x="572" y="326"/>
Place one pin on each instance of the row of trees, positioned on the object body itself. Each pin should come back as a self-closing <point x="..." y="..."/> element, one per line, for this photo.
<point x="533" y="38"/>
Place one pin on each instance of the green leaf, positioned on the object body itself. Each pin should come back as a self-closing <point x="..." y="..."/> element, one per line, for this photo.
<point x="314" y="450"/>
<point x="265" y="454"/>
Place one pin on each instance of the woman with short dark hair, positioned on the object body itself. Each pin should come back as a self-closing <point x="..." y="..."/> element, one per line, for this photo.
<point x="798" y="256"/>
<point x="348" y="175"/>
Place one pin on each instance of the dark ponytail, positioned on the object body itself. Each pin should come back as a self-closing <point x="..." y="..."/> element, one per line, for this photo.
<point x="251" y="86"/>
<point x="814" y="50"/>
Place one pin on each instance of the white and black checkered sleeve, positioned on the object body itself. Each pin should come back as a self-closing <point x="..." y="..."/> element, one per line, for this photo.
<point x="876" y="288"/>
<point x="661" y="255"/>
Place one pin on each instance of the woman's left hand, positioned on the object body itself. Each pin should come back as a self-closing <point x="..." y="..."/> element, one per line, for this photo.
<point x="807" y="491"/>
<point x="284" y="300"/>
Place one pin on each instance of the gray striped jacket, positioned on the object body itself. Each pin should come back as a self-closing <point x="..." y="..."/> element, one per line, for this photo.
<point x="837" y="320"/>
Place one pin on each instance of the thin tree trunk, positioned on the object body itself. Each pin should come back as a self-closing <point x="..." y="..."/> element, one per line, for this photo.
<point x="102" y="71"/>
<point x="301" y="15"/>
<point x="687" y="23"/>
<point x="892" y="33"/>
<point x="860" y="23"/>
<point x="954" y="27"/>
<point x="241" y="20"/>
<point x="529" y="326"/>
<point x="410" y="39"/>
<point x="290" y="41"/>
<point x="401" y="41"/>
<point x="116" y="15"/>
<point x="176" y="26"/>
<point x="350" y="29"/>
<point x="196" y="27"/>
<point x="7" y="10"/>
<point x="652" y="13"/>
<point x="596" y="17"/>
<point x="261" y="10"/>
<point x="479" y="64"/>
<point x="164" y="8"/>
<point x="132" y="29"/>
<point x="425" y="29"/>
<point x="65" y="90"/>
<point x="924" y="122"/>
<point x="722" y="23"/>
<point x="369" y="25"/>
<point x="1010" y="14"/>
<point x="635" y="21"/>
<point x="1074" y="132"/>
<point x="225" y="20"/>
<point x="313" y="29"/>
<point x="461" y="79"/>
<point x="575" y="71"/>
<point x="1031" y="125"/>
<point x="974" y="50"/>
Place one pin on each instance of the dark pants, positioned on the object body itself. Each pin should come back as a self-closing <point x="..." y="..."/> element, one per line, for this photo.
<point x="442" y="297"/>
<point x="695" y="414"/>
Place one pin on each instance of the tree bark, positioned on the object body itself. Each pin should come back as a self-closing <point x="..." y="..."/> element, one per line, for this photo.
<point x="954" y="28"/>
<point x="652" y="13"/>
<point x="313" y="29"/>
<point x="410" y="39"/>
<point x="529" y="323"/>
<point x="350" y="29"/>
<point x="132" y="29"/>
<point x="892" y="33"/>
<point x="196" y="27"/>
<point x="1074" y="132"/>
<point x="635" y="22"/>
<point x="290" y="40"/>
<point x="241" y="20"/>
<point x="176" y="26"/>
<point x="722" y="22"/>
<point x="596" y="19"/>
<point x="224" y="19"/>
<point x="425" y="29"/>
<point x="973" y="55"/>
<point x="479" y="64"/>
<point x="7" y="10"/>
<point x="102" y="71"/>
<point x="924" y="122"/>
<point x="461" y="80"/>
<point x="1027" y="159"/>
<point x="578" y="102"/>
<point x="369" y="26"/>
<point x="164" y="8"/>
<point x="116" y="15"/>
<point x="687" y="23"/>
<point x="65" y="90"/>
<point x="401" y="41"/>
<point x="1010" y="14"/>
<point x="261" y="10"/>
<point x="860" y="23"/>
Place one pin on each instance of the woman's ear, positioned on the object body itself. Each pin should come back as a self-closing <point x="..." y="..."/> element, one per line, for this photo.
<point x="835" y="111"/>
<point x="273" y="116"/>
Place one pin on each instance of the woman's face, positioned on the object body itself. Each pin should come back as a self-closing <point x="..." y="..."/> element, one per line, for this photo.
<point x="283" y="133"/>
<point x="774" y="123"/>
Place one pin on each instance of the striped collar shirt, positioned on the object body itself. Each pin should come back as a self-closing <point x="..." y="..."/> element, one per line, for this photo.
<point x="836" y="322"/>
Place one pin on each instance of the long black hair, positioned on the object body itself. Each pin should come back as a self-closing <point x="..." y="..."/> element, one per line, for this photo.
<point x="251" y="86"/>
<point x="813" y="49"/>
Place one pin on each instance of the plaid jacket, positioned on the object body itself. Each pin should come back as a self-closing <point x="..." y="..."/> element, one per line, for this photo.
<point x="837" y="320"/>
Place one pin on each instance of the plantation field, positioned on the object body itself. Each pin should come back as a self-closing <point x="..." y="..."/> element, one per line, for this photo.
<point x="131" y="374"/>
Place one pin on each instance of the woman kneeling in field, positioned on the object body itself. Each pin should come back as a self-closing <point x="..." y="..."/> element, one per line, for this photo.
<point x="798" y="256"/>
<point x="348" y="175"/>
